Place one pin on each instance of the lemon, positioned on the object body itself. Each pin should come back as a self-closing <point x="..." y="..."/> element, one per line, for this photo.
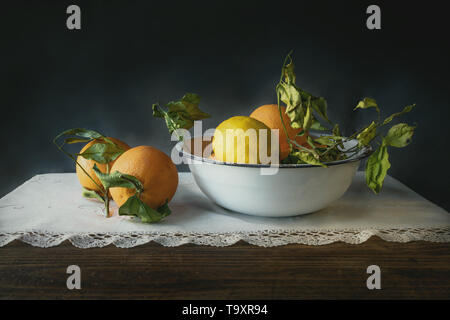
<point x="238" y="140"/>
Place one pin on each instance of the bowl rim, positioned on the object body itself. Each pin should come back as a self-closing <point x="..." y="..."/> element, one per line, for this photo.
<point x="365" y="152"/>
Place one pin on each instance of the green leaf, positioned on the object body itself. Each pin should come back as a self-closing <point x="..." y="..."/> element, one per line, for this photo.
<point x="327" y="140"/>
<point x="118" y="179"/>
<point x="367" y="134"/>
<point x="157" y="111"/>
<point x="181" y="114"/>
<point x="136" y="207"/>
<point x="399" y="136"/>
<point x="80" y="132"/>
<point x="318" y="104"/>
<point x="288" y="92"/>
<point x="91" y="194"/>
<point x="310" y="141"/>
<point x="307" y="157"/>
<point x="290" y="159"/>
<point x="192" y="98"/>
<point x="191" y="101"/>
<point x="316" y="125"/>
<point x="368" y="103"/>
<point x="298" y="101"/>
<point x="102" y="152"/>
<point x="76" y="140"/>
<point x="164" y="210"/>
<point x="376" y="168"/>
<point x="290" y="95"/>
<point x="308" y="119"/>
<point x="405" y="110"/>
<point x="173" y="121"/>
<point x="336" y="130"/>
<point x="288" y="69"/>
<point x="333" y="154"/>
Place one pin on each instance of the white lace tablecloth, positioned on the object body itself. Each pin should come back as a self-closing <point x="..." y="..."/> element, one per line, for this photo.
<point x="49" y="209"/>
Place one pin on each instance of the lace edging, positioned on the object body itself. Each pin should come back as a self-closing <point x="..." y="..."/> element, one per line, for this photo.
<point x="267" y="238"/>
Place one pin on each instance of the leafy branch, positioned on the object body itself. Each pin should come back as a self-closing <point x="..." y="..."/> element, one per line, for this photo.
<point x="180" y="114"/>
<point x="104" y="150"/>
<point x="134" y="206"/>
<point x="304" y="110"/>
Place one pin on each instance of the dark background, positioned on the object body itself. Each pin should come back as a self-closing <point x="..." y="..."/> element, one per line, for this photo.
<point x="130" y="54"/>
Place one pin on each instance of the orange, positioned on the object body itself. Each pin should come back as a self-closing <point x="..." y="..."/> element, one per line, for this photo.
<point x="88" y="165"/>
<point x="270" y="116"/>
<point x="154" y="169"/>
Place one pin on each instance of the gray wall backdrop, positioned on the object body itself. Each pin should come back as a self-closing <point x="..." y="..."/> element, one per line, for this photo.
<point x="130" y="54"/>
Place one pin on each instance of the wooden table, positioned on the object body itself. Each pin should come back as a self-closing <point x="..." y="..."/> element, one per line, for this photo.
<point x="242" y="271"/>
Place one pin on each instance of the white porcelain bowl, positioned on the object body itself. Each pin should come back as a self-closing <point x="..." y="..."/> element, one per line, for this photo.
<point x="293" y="190"/>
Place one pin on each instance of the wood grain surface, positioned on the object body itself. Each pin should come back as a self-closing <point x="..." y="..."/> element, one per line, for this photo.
<point x="417" y="270"/>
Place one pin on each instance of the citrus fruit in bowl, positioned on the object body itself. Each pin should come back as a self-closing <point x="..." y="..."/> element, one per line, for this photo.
<point x="240" y="140"/>
<point x="269" y="114"/>
<point x="311" y="169"/>
<point x="291" y="190"/>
